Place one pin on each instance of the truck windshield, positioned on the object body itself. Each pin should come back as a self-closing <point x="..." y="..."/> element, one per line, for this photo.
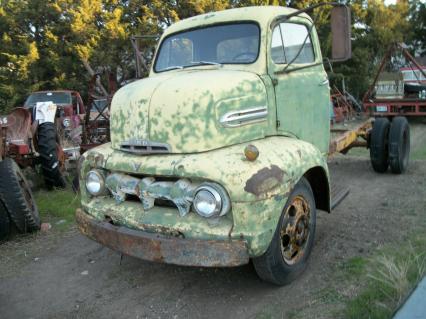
<point x="236" y="43"/>
<point x="55" y="97"/>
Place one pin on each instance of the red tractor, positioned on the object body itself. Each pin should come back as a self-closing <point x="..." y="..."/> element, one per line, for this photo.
<point x="47" y="130"/>
<point x="17" y="206"/>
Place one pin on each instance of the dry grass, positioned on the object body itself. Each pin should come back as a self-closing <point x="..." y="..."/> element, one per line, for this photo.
<point x="397" y="274"/>
<point x="392" y="275"/>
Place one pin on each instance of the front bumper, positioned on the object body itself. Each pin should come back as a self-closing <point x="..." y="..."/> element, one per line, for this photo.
<point x="162" y="248"/>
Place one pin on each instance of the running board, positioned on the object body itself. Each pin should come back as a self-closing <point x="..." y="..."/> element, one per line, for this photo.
<point x="338" y="194"/>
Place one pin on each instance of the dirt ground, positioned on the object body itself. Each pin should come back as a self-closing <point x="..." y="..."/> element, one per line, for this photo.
<point x="70" y="276"/>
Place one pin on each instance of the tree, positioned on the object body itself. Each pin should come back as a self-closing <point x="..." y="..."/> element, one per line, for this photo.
<point x="375" y="27"/>
<point x="52" y="44"/>
<point x="418" y="23"/>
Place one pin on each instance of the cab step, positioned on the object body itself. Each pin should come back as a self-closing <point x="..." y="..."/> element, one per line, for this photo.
<point x="338" y="193"/>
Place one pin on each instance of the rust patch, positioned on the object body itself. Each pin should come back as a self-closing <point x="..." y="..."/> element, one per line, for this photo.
<point x="163" y="248"/>
<point x="156" y="252"/>
<point x="264" y="180"/>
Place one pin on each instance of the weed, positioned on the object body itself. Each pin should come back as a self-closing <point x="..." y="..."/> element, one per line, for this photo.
<point x="419" y="154"/>
<point x="391" y="275"/>
<point x="354" y="266"/>
<point x="57" y="204"/>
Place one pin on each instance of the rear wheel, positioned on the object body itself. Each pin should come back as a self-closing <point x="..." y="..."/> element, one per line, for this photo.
<point x="399" y="144"/>
<point x="379" y="145"/>
<point x="50" y="156"/>
<point x="291" y="245"/>
<point x="17" y="197"/>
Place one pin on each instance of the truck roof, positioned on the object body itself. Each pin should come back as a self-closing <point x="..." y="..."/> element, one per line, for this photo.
<point x="260" y="14"/>
<point x="53" y="91"/>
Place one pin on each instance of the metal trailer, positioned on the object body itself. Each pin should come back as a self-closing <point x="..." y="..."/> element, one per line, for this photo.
<point x="102" y="87"/>
<point x="387" y="140"/>
<point x="389" y="107"/>
<point x="96" y="120"/>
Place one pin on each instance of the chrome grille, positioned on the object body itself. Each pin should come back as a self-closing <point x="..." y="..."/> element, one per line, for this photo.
<point x="143" y="147"/>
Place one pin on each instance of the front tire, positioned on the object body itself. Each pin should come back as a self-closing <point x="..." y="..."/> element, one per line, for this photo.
<point x="287" y="255"/>
<point x="17" y="197"/>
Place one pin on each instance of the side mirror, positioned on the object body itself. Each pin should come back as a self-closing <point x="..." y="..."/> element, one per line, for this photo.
<point x="341" y="33"/>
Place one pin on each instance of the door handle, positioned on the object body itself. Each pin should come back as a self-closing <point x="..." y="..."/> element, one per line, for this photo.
<point x="325" y="82"/>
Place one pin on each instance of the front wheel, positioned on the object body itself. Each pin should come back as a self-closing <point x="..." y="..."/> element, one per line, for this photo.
<point x="17" y="198"/>
<point x="287" y="254"/>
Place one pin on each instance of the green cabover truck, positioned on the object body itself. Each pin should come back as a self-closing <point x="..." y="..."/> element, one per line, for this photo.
<point x="220" y="155"/>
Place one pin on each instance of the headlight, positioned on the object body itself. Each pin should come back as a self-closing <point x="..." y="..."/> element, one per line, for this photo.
<point x="95" y="183"/>
<point x="66" y="122"/>
<point x="211" y="200"/>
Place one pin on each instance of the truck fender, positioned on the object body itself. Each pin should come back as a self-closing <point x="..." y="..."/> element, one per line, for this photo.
<point x="317" y="178"/>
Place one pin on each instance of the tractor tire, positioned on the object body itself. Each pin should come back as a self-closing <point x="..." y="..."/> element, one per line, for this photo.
<point x="399" y="144"/>
<point x="47" y="148"/>
<point x="379" y="145"/>
<point x="4" y="222"/>
<point x="17" y="197"/>
<point x="287" y="255"/>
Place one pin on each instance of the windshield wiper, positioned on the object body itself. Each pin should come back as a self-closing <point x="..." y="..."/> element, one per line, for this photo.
<point x="174" y="67"/>
<point x="196" y="63"/>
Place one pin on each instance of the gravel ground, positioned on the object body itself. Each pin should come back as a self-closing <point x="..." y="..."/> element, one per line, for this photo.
<point x="68" y="276"/>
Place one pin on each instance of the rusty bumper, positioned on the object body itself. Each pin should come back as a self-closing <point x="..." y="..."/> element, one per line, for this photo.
<point x="161" y="248"/>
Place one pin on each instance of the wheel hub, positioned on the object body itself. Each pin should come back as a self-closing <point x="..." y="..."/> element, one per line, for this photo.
<point x="295" y="230"/>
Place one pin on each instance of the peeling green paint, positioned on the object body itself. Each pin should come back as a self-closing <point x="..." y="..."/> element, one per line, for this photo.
<point x="253" y="216"/>
<point x="183" y="108"/>
<point x="184" y="113"/>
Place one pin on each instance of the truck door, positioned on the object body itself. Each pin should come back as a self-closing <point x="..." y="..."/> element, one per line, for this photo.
<point x="302" y="90"/>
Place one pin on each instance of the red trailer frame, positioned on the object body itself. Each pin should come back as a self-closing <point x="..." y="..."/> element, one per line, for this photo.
<point x="394" y="107"/>
<point x="402" y="107"/>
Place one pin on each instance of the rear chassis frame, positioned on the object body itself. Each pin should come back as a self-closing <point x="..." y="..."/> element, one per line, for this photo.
<point x="345" y="139"/>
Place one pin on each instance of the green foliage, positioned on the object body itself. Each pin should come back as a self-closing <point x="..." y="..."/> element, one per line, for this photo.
<point x="49" y="44"/>
<point x="375" y="28"/>
<point x="418" y="18"/>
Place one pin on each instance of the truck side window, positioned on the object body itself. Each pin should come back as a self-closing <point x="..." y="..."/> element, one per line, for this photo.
<point x="287" y="38"/>
<point x="293" y="36"/>
<point x="277" y="48"/>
